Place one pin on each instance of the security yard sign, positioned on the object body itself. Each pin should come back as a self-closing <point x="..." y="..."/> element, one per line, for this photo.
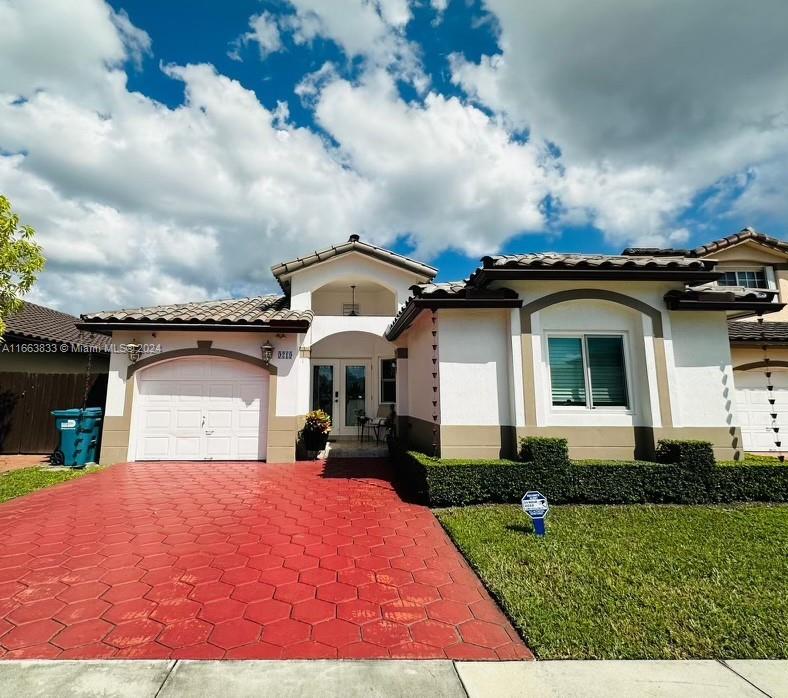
<point x="535" y="505"/>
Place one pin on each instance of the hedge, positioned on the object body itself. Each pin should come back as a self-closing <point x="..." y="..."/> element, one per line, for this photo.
<point x="692" y="480"/>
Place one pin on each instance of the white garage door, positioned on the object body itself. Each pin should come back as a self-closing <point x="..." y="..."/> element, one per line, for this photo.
<point x="753" y="408"/>
<point x="202" y="409"/>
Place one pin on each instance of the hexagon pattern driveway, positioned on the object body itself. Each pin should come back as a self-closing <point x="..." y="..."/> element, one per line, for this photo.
<point x="238" y="560"/>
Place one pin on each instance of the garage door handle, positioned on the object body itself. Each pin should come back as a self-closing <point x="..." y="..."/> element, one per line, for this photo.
<point x="209" y="431"/>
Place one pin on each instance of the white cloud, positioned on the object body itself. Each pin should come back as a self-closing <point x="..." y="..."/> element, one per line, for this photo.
<point x="136" y="202"/>
<point x="443" y="171"/>
<point x="264" y="32"/>
<point x="649" y="102"/>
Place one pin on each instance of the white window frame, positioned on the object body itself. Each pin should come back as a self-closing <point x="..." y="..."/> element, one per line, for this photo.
<point x="589" y="407"/>
<point x="767" y="271"/>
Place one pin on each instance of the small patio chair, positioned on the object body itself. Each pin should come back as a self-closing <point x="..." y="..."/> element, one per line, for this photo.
<point x="382" y="421"/>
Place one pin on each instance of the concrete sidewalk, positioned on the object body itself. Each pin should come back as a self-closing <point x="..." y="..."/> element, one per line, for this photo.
<point x="405" y="679"/>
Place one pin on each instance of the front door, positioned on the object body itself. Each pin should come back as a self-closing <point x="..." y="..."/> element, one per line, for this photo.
<point x="341" y="387"/>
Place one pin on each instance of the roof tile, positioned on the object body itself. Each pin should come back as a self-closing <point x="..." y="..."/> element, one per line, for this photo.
<point x="46" y="324"/>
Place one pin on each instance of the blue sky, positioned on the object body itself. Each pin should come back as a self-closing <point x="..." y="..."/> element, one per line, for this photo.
<point x="174" y="151"/>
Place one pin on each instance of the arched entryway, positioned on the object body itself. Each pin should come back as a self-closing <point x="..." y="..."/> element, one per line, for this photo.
<point x="352" y="374"/>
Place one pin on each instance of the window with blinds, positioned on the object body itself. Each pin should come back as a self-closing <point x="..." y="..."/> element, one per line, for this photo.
<point x="588" y="371"/>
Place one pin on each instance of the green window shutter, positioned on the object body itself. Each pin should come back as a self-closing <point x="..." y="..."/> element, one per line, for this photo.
<point x="566" y="370"/>
<point x="608" y="379"/>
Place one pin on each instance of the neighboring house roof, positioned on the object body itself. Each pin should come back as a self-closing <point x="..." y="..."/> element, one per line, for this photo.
<point x="354" y="244"/>
<point x="758" y="333"/>
<point x="743" y="235"/>
<point x="42" y="324"/>
<point x="256" y="312"/>
<point x="452" y="294"/>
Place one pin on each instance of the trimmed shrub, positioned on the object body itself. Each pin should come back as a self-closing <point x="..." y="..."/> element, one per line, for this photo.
<point x="459" y="482"/>
<point x="545" y="451"/>
<point x="694" y="455"/>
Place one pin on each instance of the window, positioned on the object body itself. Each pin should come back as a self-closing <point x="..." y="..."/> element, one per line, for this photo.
<point x="388" y="380"/>
<point x="588" y="371"/>
<point x="748" y="279"/>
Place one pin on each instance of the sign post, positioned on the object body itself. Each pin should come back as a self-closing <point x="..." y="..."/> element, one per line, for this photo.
<point x="535" y="505"/>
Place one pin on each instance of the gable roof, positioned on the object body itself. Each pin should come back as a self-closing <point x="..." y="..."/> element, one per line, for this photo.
<point x="255" y="312"/>
<point x="42" y="324"/>
<point x="743" y="235"/>
<point x="354" y="244"/>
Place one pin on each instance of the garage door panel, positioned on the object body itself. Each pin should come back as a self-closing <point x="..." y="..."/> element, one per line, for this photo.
<point x="208" y="409"/>
<point x="155" y="447"/>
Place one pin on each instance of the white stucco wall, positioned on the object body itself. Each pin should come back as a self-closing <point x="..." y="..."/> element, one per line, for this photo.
<point x="699" y="367"/>
<point x="474" y="367"/>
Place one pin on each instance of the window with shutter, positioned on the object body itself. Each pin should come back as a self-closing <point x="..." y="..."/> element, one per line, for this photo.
<point x="588" y="371"/>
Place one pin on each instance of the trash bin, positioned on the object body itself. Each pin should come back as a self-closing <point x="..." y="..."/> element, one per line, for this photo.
<point x="79" y="434"/>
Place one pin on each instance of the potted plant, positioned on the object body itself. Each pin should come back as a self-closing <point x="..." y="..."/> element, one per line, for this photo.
<point x="316" y="430"/>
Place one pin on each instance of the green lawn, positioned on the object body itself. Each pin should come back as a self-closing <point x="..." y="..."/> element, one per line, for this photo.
<point x="19" y="482"/>
<point x="627" y="582"/>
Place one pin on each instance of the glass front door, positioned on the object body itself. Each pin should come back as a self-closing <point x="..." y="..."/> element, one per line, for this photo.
<point x="355" y="394"/>
<point x="340" y="387"/>
<point x="323" y="389"/>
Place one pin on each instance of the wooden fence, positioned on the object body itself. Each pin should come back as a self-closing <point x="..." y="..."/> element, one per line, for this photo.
<point x="26" y="400"/>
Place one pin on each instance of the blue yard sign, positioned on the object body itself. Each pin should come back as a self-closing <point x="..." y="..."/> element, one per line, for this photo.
<point x="535" y="505"/>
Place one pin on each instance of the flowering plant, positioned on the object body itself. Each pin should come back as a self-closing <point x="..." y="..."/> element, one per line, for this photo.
<point x="317" y="422"/>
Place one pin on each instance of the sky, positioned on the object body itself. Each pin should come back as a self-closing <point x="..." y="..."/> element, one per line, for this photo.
<point x="170" y="152"/>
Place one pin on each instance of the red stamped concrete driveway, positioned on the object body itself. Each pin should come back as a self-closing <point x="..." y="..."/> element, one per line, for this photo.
<point x="238" y="560"/>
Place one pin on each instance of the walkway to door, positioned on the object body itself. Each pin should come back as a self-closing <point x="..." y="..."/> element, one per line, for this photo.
<point x="238" y="560"/>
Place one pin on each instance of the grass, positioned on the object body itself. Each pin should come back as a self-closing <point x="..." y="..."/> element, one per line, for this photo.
<point x="19" y="482"/>
<point x="627" y="582"/>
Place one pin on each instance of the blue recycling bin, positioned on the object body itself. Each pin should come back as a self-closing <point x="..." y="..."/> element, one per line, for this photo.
<point x="79" y="436"/>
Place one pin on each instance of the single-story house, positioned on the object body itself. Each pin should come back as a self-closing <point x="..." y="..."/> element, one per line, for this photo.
<point x="46" y="363"/>
<point x="751" y="260"/>
<point x="611" y="352"/>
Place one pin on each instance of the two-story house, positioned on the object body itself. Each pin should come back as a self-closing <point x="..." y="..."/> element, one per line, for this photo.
<point x="611" y="351"/>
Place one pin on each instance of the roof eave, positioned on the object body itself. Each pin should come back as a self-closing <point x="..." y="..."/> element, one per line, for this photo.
<point x="484" y="276"/>
<point x="272" y="326"/>
<point x="754" y="307"/>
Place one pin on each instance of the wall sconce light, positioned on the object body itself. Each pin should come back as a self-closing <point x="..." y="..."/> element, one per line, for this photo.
<point x="267" y="351"/>
<point x="133" y="351"/>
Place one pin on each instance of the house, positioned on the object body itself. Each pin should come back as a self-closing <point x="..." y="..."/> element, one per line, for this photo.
<point x="751" y="260"/>
<point x="612" y="352"/>
<point x="46" y="363"/>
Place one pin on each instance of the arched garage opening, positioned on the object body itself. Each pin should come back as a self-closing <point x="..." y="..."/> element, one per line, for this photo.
<point x="200" y="407"/>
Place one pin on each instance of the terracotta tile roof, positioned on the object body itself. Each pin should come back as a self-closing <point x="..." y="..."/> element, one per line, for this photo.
<point x="444" y="289"/>
<point x="553" y="260"/>
<point x="766" y="332"/>
<point x="259" y="310"/>
<point x="40" y="323"/>
<point x="354" y="244"/>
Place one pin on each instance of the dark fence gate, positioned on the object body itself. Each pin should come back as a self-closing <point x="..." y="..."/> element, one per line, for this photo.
<point x="26" y="400"/>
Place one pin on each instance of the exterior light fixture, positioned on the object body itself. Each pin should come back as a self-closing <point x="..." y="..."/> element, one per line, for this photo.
<point x="133" y="351"/>
<point x="353" y="312"/>
<point x="267" y="351"/>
